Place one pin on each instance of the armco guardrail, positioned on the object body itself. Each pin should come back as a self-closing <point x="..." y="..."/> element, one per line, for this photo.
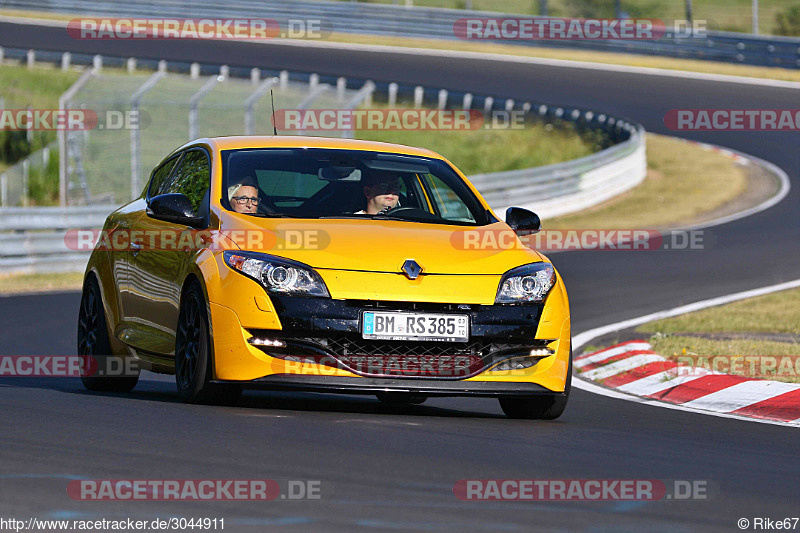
<point x="567" y="187"/>
<point x="357" y="17"/>
<point x="32" y="239"/>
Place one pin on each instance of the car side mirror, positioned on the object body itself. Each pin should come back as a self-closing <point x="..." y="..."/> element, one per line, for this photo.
<point x="522" y="221"/>
<point x="174" y="207"/>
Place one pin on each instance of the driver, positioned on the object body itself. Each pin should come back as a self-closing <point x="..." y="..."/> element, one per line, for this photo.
<point x="243" y="195"/>
<point x="382" y="190"/>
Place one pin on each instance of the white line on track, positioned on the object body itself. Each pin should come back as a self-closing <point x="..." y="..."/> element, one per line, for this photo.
<point x="582" y="338"/>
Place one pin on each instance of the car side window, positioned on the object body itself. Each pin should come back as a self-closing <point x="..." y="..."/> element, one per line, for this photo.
<point x="450" y="206"/>
<point x="159" y="180"/>
<point x="191" y="178"/>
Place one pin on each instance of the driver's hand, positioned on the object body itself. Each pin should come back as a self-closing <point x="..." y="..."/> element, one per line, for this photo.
<point x="384" y="210"/>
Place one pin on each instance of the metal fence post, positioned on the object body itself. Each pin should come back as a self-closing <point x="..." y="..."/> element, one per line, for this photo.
<point x="26" y="171"/>
<point x="194" y="101"/>
<point x="66" y="58"/>
<point x="136" y="142"/>
<point x="362" y="95"/>
<point x="369" y="87"/>
<point x="29" y="129"/>
<point x="63" y="102"/>
<point x="341" y="87"/>
<point x="419" y="92"/>
<point x="3" y="190"/>
<point x="250" y="102"/>
<point x="313" y="94"/>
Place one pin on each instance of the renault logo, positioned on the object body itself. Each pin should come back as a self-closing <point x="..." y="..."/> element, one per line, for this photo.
<point x="411" y="269"/>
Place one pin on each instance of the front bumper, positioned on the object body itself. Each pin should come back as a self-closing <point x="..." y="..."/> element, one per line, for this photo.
<point x="240" y="309"/>
<point x="360" y="385"/>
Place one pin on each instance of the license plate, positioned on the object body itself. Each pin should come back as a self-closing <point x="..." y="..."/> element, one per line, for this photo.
<point x="415" y="326"/>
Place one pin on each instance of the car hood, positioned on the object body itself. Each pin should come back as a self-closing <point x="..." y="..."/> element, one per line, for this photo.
<point x="381" y="245"/>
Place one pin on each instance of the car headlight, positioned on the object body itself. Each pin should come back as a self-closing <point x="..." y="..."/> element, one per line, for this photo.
<point x="528" y="283"/>
<point x="278" y="275"/>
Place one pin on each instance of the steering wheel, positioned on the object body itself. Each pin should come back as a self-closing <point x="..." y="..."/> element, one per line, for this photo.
<point x="399" y="209"/>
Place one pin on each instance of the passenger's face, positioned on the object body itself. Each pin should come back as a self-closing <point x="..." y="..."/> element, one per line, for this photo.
<point x="380" y="196"/>
<point x="249" y="206"/>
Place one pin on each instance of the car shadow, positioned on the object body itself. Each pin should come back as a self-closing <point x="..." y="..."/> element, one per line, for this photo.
<point x="254" y="400"/>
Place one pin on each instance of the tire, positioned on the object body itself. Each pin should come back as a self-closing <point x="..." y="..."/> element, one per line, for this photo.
<point x="94" y="343"/>
<point x="193" y="355"/>
<point x="544" y="408"/>
<point x="396" y="398"/>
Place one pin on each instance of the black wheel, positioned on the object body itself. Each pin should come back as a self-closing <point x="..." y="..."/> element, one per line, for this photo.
<point x="547" y="408"/>
<point x="396" y="398"/>
<point x="95" y="347"/>
<point x="193" y="355"/>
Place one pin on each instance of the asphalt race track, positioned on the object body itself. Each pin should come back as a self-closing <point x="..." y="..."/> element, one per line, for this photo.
<point x="386" y="468"/>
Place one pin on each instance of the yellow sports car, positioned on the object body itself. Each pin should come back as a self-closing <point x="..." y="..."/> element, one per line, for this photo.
<point x="326" y="265"/>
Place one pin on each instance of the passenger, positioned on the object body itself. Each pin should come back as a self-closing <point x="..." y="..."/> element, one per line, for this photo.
<point x="382" y="191"/>
<point x="243" y="196"/>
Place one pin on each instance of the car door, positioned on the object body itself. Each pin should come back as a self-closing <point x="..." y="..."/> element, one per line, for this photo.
<point x="156" y="271"/>
<point x="159" y="179"/>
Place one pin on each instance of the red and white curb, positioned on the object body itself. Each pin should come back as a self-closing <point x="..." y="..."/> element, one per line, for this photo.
<point x="634" y="368"/>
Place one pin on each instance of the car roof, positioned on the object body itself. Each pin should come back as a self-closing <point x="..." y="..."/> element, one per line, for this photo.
<point x="298" y="141"/>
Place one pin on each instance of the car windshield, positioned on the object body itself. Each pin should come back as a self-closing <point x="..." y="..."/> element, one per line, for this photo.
<point x="328" y="183"/>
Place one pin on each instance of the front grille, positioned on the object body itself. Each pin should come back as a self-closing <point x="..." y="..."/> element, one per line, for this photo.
<point x="380" y="358"/>
<point x="353" y="345"/>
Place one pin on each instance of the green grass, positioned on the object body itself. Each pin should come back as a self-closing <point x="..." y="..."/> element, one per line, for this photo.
<point x="19" y="283"/>
<point x="486" y="150"/>
<point x="701" y="352"/>
<point x="683" y="182"/>
<point x="772" y="313"/>
<point x="39" y="87"/>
